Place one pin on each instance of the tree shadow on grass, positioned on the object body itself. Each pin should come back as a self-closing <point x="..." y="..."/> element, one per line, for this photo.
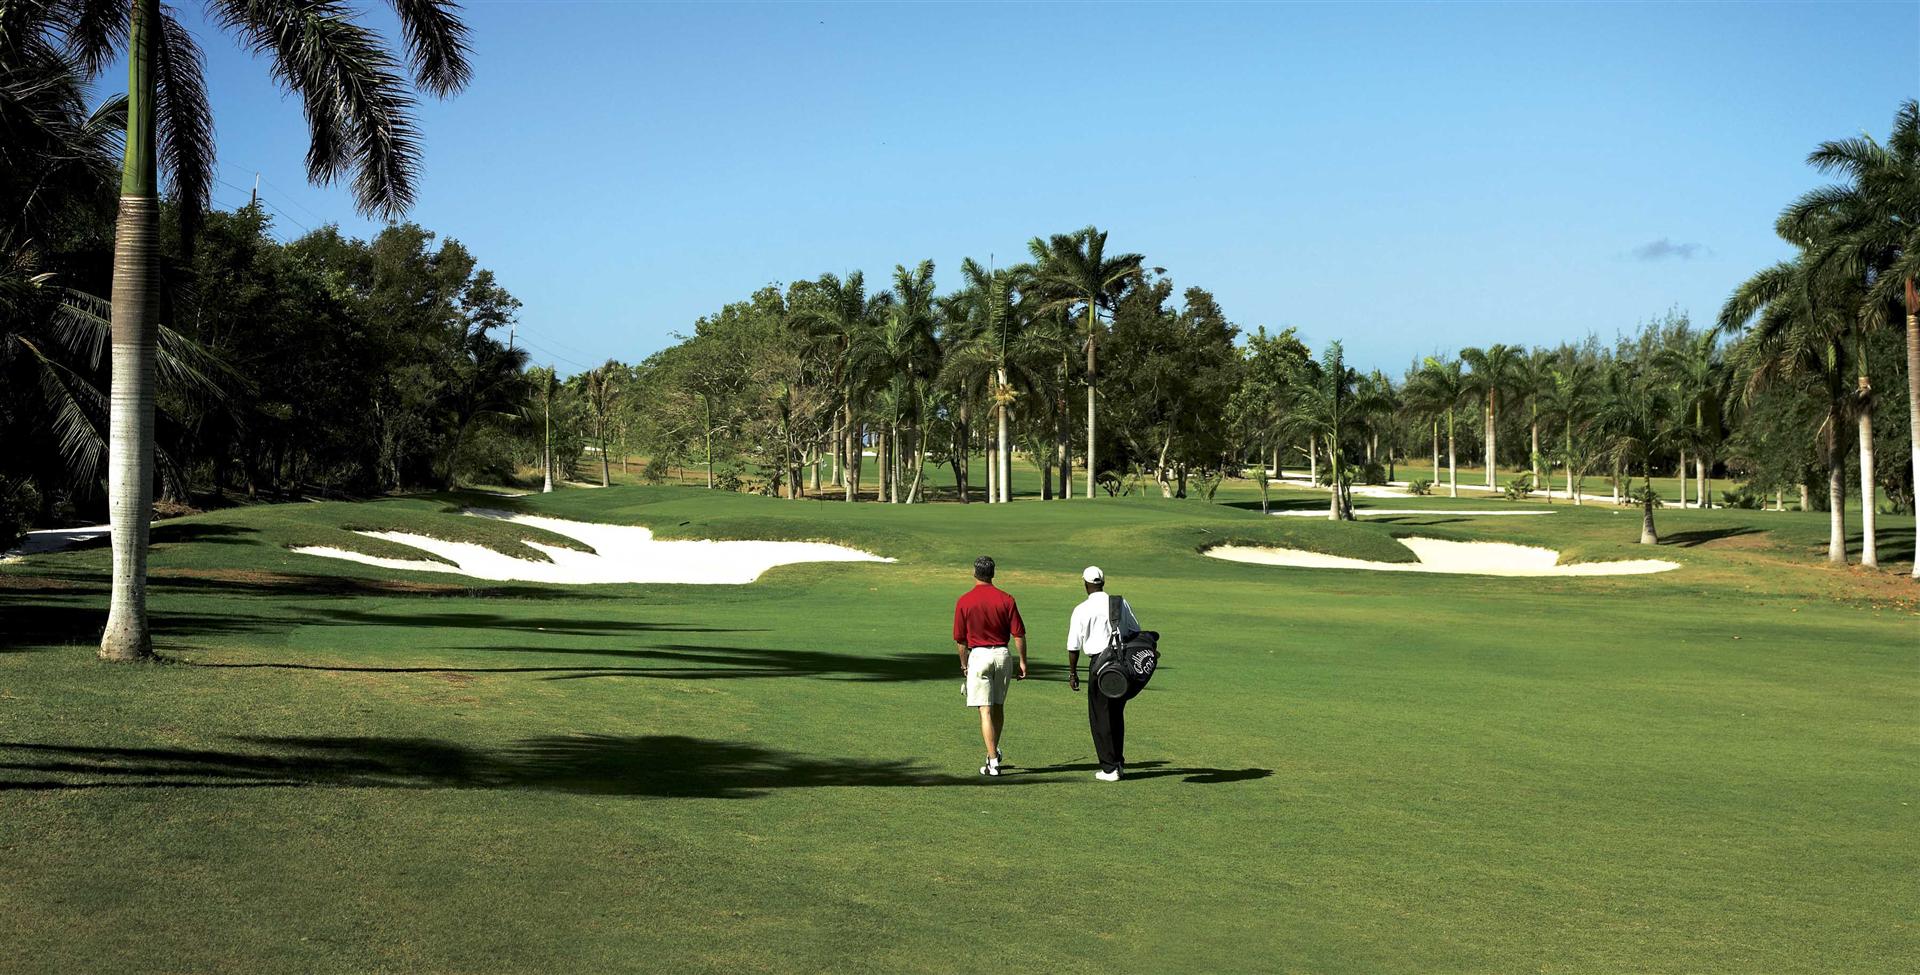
<point x="649" y="765"/>
<point x="554" y="625"/>
<point x="69" y="624"/>
<point x="1701" y="536"/>
<point x="726" y="663"/>
<point x="165" y="533"/>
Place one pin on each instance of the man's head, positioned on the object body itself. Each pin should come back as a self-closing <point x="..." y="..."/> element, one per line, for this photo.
<point x="1094" y="578"/>
<point x="983" y="568"/>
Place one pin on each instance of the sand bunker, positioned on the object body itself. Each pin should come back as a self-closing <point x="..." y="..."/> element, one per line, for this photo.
<point x="621" y="553"/>
<point x="1461" y="558"/>
<point x="1382" y="512"/>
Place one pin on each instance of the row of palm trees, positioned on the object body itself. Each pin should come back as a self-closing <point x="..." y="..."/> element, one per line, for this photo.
<point x="907" y="357"/>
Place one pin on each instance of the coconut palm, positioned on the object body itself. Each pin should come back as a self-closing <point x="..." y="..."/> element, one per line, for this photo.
<point x="1701" y="382"/>
<point x="1533" y="377"/>
<point x="1798" y="333"/>
<point x="1869" y="226"/>
<point x="358" y="111"/>
<point x="984" y="323"/>
<point x="1325" y="411"/>
<point x="1495" y="371"/>
<point x="1568" y="400"/>
<point x="1634" y="416"/>
<point x="1440" y="388"/>
<point x="841" y="316"/>
<point x="603" y="391"/>
<point x="1074" y="269"/>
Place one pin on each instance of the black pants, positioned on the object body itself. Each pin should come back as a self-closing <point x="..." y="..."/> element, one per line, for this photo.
<point x="1107" y="716"/>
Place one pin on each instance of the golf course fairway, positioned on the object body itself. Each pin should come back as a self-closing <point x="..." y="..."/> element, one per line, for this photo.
<point x="349" y="768"/>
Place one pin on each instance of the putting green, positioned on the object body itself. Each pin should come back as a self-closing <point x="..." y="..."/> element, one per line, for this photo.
<point x="352" y="768"/>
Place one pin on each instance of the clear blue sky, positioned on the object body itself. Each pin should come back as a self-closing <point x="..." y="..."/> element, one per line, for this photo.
<point x="1405" y="177"/>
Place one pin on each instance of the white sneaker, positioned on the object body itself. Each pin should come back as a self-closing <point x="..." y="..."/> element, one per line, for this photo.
<point x="991" y="768"/>
<point x="1113" y="776"/>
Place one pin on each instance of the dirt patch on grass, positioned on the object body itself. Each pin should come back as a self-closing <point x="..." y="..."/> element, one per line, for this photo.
<point x="10" y="581"/>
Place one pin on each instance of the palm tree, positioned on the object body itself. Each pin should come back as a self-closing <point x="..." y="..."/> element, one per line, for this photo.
<point x="1869" y="227"/>
<point x="1700" y="378"/>
<point x="1440" y="387"/>
<point x="841" y="316"/>
<point x="1798" y="333"/>
<point x="1074" y="269"/>
<point x="1325" y="410"/>
<point x="1634" y="413"/>
<point x="602" y="387"/>
<point x="1533" y="378"/>
<point x="1568" y="400"/>
<point x="358" y="111"/>
<point x="1495" y="371"/>
<point x="1377" y="403"/>
<point x="986" y="323"/>
<point x="901" y="355"/>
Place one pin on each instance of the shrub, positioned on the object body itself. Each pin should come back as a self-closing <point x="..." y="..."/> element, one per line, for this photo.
<point x="1520" y="487"/>
<point x="654" y="471"/>
<point x="19" y="504"/>
<point x="1372" y="472"/>
<point x="1742" y="498"/>
<point x="1645" y="495"/>
<point x="728" y="479"/>
<point x="1421" y="486"/>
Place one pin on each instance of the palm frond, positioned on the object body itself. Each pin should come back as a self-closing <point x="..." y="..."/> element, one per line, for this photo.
<point x="436" y="44"/>
<point x="186" y="124"/>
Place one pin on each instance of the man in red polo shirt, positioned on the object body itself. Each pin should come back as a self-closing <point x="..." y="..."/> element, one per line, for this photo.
<point x="983" y="620"/>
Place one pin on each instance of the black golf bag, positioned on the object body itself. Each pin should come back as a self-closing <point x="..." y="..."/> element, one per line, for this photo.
<point x="1123" y="669"/>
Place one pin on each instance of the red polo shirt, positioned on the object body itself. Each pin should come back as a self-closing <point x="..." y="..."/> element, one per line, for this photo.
<point x="986" y="617"/>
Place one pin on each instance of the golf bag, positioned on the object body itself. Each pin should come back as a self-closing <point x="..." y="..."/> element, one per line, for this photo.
<point x="1124" y="668"/>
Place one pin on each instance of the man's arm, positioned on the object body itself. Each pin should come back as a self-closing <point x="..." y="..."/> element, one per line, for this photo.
<point x="1128" y="624"/>
<point x="1073" y="670"/>
<point x="960" y="638"/>
<point x="1076" y="638"/>
<point x="1020" y="642"/>
<point x="961" y="647"/>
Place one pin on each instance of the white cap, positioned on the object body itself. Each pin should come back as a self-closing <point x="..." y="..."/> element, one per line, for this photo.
<point x="1093" y="574"/>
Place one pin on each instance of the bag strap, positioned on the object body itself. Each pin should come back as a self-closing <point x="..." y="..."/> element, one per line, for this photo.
<point x="1115" y="638"/>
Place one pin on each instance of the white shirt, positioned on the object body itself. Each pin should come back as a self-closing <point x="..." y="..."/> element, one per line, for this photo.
<point x="1090" y="629"/>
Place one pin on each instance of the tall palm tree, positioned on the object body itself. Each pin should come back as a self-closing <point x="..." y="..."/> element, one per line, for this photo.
<point x="1074" y="269"/>
<point x="1870" y="227"/>
<point x="986" y="325"/>
<point x="1325" y="409"/>
<point x="1533" y="378"/>
<point x="358" y="110"/>
<point x="603" y="391"/>
<point x="1441" y="387"/>
<point x="842" y="316"/>
<point x="1568" y="400"/>
<point x="1635" y="415"/>
<point x="1495" y="371"/>
<point x="1798" y="333"/>
<point x="1701" y="382"/>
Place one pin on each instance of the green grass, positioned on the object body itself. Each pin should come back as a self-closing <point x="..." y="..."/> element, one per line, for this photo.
<point x="354" y="770"/>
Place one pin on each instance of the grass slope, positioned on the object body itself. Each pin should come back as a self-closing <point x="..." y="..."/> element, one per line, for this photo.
<point x="354" y="770"/>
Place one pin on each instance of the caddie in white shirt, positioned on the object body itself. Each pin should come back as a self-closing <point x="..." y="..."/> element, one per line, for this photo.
<point x="1088" y="632"/>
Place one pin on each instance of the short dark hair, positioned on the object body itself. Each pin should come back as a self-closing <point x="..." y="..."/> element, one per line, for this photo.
<point x="983" y="568"/>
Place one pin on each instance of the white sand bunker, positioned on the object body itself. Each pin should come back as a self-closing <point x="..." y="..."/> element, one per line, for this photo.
<point x="1461" y="558"/>
<point x="1383" y="512"/>
<point x="621" y="553"/>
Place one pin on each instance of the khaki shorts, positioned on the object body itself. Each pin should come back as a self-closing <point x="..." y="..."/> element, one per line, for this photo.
<point x="988" y="671"/>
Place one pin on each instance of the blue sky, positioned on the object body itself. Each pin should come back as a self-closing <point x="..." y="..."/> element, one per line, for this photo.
<point x="1408" y="178"/>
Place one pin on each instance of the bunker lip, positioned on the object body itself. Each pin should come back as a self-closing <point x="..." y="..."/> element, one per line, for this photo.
<point x="621" y="554"/>
<point x="1448" y="557"/>
<point x="1383" y="512"/>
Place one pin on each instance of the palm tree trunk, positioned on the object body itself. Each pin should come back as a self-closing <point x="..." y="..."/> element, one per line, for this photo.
<point x="1913" y="403"/>
<point x="1092" y="323"/>
<point x="1836" y="489"/>
<point x="130" y="409"/>
<point x="1703" y="483"/>
<point x="1436" y="452"/>
<point x="1006" y="443"/>
<point x="1647" y="535"/>
<point x="1869" y="518"/>
<point x="1681" y="476"/>
<point x="1453" y="467"/>
<point x="1492" y="405"/>
<point x="1538" y="479"/>
<point x="850" y="449"/>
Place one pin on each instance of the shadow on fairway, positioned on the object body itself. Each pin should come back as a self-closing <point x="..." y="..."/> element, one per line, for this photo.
<point x="1159" y="770"/>
<point x="1698" y="537"/>
<point x="651" y="765"/>
<point x="554" y="625"/>
<point x="166" y="534"/>
<point x="68" y="625"/>
<point x="728" y="663"/>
